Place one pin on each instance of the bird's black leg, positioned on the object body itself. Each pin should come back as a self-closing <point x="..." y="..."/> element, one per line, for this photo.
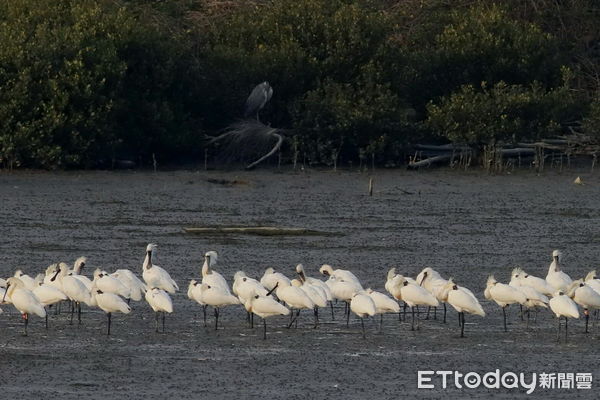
<point x="216" y="318"/>
<point x="156" y="321"/>
<point x="462" y="325"/>
<point x="587" y="318"/>
<point x="265" y="329"/>
<point x="566" y="328"/>
<point x="332" y="316"/>
<point x="504" y="315"/>
<point x="363" y="327"/>
<point x="204" y="311"/>
<point x="163" y="321"/>
<point x="558" y="335"/>
<point x="444" y="312"/>
<point x="435" y="313"/>
<point x="427" y="315"/>
<point x="109" y="317"/>
<point x="412" y="328"/>
<point x="25" y="322"/>
<point x="78" y="313"/>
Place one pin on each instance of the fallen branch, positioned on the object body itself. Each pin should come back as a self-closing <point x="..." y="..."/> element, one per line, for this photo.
<point x="257" y="230"/>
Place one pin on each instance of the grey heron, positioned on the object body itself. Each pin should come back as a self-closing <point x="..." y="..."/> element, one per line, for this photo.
<point x="259" y="96"/>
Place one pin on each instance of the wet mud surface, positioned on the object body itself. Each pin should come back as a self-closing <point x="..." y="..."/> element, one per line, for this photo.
<point x="465" y="225"/>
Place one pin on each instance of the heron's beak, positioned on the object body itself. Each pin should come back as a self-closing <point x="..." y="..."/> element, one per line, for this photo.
<point x="5" y="292"/>
<point x="272" y="290"/>
<point x="55" y="275"/>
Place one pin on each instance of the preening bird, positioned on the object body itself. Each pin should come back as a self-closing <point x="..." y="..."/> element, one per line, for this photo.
<point x="294" y="297"/>
<point x="463" y="301"/>
<point x="259" y="96"/>
<point x="23" y="300"/>
<point x="586" y="297"/>
<point x="521" y="278"/>
<point x="109" y="303"/>
<point x="76" y="272"/>
<point x="503" y="295"/>
<point x="136" y="287"/>
<point x="210" y="276"/>
<point x="562" y="306"/>
<point x="265" y="307"/>
<point x="28" y="281"/>
<point x="413" y="295"/>
<point x="363" y="306"/>
<point x="270" y="278"/>
<point x="383" y="304"/>
<point x="217" y="297"/>
<point x="161" y="303"/>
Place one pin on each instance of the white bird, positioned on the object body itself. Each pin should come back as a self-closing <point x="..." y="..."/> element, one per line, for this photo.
<point x="109" y="284"/>
<point x="534" y="298"/>
<point x="413" y="295"/>
<point x="433" y="282"/>
<point x="27" y="280"/>
<point x="76" y="272"/>
<point x="270" y="278"/>
<point x="503" y="295"/>
<point x="23" y="300"/>
<point x="383" y="304"/>
<point x="195" y="293"/>
<point x="363" y="306"/>
<point x="161" y="302"/>
<point x="340" y="274"/>
<point x="211" y="277"/>
<point x="294" y="297"/>
<point x="217" y="297"/>
<point x="265" y="307"/>
<point x="318" y="298"/>
<point x="343" y="291"/>
<point x="586" y="297"/>
<point x="320" y="286"/>
<point x="75" y="290"/>
<point x="155" y="276"/>
<point x="244" y="288"/>
<point x="109" y="303"/>
<point x="521" y="278"/>
<point x="46" y="294"/>
<point x="136" y="287"/>
<point x="590" y="280"/>
<point x="555" y="277"/>
<point x="463" y="301"/>
<point x="562" y="306"/>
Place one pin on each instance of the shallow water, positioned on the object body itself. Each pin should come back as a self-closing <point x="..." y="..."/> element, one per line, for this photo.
<point x="465" y="225"/>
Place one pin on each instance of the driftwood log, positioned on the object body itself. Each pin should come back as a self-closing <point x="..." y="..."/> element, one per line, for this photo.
<point x="257" y="230"/>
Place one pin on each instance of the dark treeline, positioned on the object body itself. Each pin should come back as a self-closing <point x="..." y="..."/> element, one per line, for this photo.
<point x="85" y="82"/>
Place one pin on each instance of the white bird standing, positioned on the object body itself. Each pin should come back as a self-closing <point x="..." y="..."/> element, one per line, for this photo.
<point x="318" y="283"/>
<point x="217" y="297"/>
<point x="294" y="297"/>
<point x="344" y="291"/>
<point x="161" y="302"/>
<point x="244" y="288"/>
<point x="556" y="277"/>
<point x="562" y="306"/>
<point x="195" y="293"/>
<point x="109" y="303"/>
<point x="265" y="307"/>
<point x="383" y="304"/>
<point x="136" y="287"/>
<point x="413" y="295"/>
<point x="433" y="282"/>
<point x="46" y="294"/>
<point x="586" y="297"/>
<point x="155" y="276"/>
<point x="318" y="299"/>
<point x="534" y="298"/>
<point x="27" y="280"/>
<point x="109" y="284"/>
<point x="340" y="274"/>
<point x="73" y="288"/>
<point x="463" y="301"/>
<point x="211" y="277"/>
<point x="23" y="300"/>
<point x="503" y="295"/>
<point x="270" y="278"/>
<point x="363" y="306"/>
<point x="76" y="272"/>
<point x="525" y="279"/>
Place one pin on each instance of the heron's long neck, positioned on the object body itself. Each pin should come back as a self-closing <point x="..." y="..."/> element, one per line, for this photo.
<point x="148" y="260"/>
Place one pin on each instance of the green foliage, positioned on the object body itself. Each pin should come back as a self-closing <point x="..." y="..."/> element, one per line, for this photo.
<point x="501" y="113"/>
<point x="482" y="43"/>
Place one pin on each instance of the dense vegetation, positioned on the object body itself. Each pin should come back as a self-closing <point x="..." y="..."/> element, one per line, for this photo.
<point x="83" y="82"/>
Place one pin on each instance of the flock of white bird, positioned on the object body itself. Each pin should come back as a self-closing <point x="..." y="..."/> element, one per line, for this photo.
<point x="275" y="294"/>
